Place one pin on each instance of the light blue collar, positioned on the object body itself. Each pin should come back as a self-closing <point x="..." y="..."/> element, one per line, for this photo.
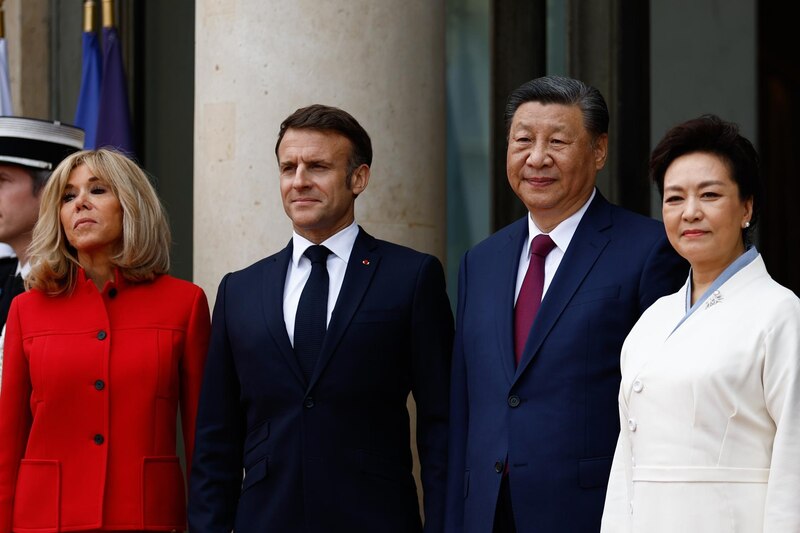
<point x="713" y="291"/>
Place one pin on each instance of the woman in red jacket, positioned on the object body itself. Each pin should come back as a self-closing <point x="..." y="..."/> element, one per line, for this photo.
<point x="99" y="355"/>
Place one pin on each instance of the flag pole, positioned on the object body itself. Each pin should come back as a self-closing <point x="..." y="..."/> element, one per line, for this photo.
<point x="114" y="120"/>
<point x="108" y="13"/>
<point x="87" y="110"/>
<point x="2" y="22"/>
<point x="88" y="15"/>
<point x="6" y="108"/>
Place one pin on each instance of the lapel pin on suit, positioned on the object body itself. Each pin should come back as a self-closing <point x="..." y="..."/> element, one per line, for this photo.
<point x="365" y="262"/>
<point x="716" y="297"/>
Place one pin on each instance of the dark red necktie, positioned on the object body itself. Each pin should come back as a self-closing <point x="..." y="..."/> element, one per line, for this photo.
<point x="530" y="295"/>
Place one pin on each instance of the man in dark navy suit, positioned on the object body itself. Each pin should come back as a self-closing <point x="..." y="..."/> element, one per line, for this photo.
<point x="313" y="353"/>
<point x="543" y="307"/>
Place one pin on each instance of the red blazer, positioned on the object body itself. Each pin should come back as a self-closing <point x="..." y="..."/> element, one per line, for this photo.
<point x="90" y="392"/>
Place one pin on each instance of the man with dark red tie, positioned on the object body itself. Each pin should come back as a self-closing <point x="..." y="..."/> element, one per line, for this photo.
<point x="543" y="307"/>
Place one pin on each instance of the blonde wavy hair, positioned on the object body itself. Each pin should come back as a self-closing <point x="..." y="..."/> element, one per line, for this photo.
<point x="145" y="228"/>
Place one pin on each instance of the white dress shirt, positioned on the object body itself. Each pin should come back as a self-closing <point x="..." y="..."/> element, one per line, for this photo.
<point x="23" y="270"/>
<point x="561" y="235"/>
<point x="340" y="245"/>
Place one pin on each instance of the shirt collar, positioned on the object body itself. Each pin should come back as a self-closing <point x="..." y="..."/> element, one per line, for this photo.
<point x="563" y="233"/>
<point x="340" y="244"/>
<point x="713" y="294"/>
<point x="23" y="270"/>
<point x="739" y="263"/>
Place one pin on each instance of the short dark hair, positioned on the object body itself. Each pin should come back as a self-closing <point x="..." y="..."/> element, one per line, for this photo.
<point x="327" y="118"/>
<point x="39" y="177"/>
<point x="565" y="91"/>
<point x="710" y="134"/>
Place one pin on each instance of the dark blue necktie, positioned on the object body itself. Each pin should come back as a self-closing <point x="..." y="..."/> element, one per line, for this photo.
<point x="312" y="311"/>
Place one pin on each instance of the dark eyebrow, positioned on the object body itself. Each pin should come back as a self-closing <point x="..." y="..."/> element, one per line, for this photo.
<point x="701" y="185"/>
<point x="709" y="183"/>
<point x="530" y="126"/>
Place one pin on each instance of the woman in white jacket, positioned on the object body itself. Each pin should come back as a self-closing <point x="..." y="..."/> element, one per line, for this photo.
<point x="710" y="393"/>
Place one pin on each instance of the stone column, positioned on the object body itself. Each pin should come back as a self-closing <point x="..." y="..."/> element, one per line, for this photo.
<point x="256" y="62"/>
<point x="27" y="30"/>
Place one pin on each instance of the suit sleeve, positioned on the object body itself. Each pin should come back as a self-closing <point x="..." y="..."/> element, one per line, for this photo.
<point x="664" y="273"/>
<point x="217" y="465"/>
<point x="15" y="415"/>
<point x="192" y="363"/>
<point x="459" y="419"/>
<point x="432" y="343"/>
<point x="781" y="378"/>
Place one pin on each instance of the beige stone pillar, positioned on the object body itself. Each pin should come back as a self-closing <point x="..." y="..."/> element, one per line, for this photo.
<point x="27" y="28"/>
<point x="257" y="61"/>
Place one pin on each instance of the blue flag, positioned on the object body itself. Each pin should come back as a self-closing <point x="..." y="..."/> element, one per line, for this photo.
<point x="6" y="109"/>
<point x="114" y="120"/>
<point x="89" y="98"/>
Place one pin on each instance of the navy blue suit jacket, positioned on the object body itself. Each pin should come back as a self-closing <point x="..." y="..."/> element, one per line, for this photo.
<point x="554" y="417"/>
<point x="333" y="454"/>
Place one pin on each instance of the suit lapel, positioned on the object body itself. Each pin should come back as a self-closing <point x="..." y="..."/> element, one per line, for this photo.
<point x="364" y="261"/>
<point x="584" y="249"/>
<point x="508" y="261"/>
<point x="272" y="304"/>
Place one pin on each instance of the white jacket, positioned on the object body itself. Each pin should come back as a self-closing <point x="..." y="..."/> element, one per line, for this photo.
<point x="710" y="414"/>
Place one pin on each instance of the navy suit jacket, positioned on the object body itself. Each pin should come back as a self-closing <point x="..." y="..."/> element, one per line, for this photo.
<point x="554" y="417"/>
<point x="333" y="454"/>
